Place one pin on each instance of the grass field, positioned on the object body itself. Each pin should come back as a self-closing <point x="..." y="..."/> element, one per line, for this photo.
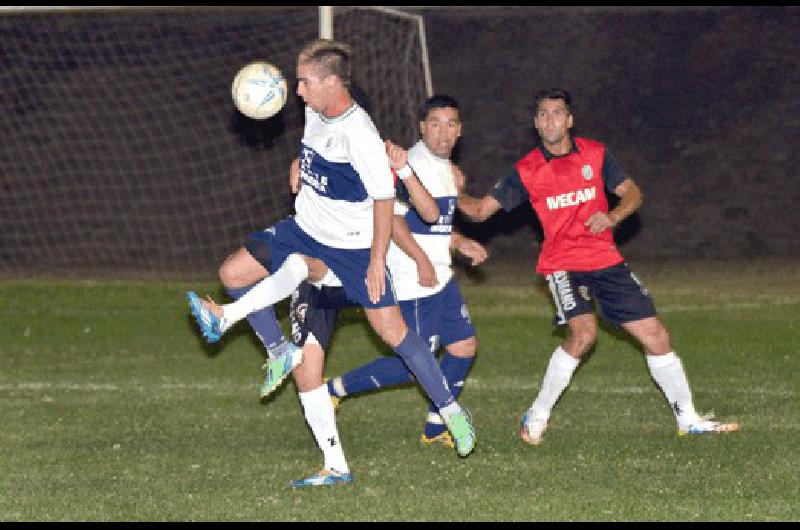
<point x="113" y="409"/>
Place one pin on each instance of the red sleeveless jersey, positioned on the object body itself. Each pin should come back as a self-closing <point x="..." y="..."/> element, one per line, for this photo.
<point x="564" y="191"/>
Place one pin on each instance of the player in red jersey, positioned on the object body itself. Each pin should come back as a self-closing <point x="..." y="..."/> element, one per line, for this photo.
<point x="564" y="179"/>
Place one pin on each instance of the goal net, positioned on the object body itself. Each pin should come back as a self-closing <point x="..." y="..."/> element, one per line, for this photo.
<point x="122" y="151"/>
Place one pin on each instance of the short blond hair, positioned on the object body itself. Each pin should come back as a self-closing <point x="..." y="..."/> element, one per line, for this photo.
<point x="331" y="56"/>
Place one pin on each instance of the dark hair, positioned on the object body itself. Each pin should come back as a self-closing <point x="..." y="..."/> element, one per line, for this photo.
<point x="552" y="93"/>
<point x="437" y="101"/>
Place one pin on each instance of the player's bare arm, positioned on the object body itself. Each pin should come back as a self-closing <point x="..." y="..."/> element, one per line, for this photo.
<point x="403" y="238"/>
<point x="469" y="248"/>
<point x="383" y="213"/>
<point x="478" y="210"/>
<point x="294" y="176"/>
<point x="630" y="200"/>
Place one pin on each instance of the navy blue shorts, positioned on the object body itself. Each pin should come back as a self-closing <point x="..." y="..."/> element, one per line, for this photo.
<point x="619" y="293"/>
<point x="272" y="246"/>
<point x="441" y="319"/>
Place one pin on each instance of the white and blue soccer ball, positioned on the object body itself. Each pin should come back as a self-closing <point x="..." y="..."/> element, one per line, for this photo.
<point x="259" y="90"/>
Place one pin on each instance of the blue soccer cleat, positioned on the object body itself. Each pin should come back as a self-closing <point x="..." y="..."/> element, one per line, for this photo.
<point x="326" y="477"/>
<point x="280" y="367"/>
<point x="210" y="324"/>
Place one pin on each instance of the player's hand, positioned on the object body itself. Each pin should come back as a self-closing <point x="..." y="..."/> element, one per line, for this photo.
<point x="599" y="221"/>
<point x="473" y="250"/>
<point x="294" y="176"/>
<point x="426" y="273"/>
<point x="398" y="157"/>
<point x="376" y="280"/>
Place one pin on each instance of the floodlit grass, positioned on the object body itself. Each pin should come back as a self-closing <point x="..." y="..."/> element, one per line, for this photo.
<point x="114" y="409"/>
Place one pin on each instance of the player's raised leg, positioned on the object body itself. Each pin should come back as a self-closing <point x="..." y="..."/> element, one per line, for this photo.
<point x="239" y="273"/>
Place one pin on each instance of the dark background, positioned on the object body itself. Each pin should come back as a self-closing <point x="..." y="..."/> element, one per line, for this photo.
<point x="700" y="106"/>
<point x="121" y="150"/>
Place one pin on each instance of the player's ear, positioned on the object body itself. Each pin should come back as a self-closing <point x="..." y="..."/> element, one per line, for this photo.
<point x="569" y="121"/>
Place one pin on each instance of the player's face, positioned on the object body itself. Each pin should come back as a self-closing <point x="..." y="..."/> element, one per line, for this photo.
<point x="552" y="121"/>
<point x="440" y="130"/>
<point x="312" y="87"/>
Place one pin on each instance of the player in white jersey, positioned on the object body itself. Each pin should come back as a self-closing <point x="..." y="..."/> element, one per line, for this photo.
<point x="347" y="183"/>
<point x="422" y="274"/>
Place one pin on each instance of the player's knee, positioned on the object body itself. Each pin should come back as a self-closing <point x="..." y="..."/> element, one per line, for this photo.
<point x="583" y="337"/>
<point x="660" y="339"/>
<point x="226" y="273"/>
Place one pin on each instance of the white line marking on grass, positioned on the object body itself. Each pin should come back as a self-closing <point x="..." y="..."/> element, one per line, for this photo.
<point x="535" y="310"/>
<point x="476" y="383"/>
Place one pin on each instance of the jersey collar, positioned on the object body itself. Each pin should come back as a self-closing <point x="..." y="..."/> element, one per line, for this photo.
<point x="548" y="156"/>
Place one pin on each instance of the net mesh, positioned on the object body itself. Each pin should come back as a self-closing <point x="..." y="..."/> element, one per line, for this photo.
<point x="122" y="151"/>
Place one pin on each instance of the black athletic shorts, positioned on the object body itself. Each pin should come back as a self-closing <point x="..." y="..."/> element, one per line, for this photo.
<point x="619" y="293"/>
<point x="315" y="309"/>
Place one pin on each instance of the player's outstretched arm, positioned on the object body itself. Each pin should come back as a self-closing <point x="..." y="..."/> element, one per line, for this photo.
<point x="402" y="237"/>
<point x="478" y="210"/>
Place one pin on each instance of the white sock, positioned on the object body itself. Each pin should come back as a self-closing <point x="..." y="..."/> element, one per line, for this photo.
<point x="556" y="378"/>
<point x="447" y="411"/>
<point x="268" y="291"/>
<point x="318" y="410"/>
<point x="667" y="371"/>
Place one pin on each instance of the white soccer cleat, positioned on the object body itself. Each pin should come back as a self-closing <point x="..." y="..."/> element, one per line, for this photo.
<point x="708" y="426"/>
<point x="532" y="429"/>
<point x="705" y="424"/>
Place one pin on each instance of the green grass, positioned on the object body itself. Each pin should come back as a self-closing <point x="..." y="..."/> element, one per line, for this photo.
<point x="114" y="409"/>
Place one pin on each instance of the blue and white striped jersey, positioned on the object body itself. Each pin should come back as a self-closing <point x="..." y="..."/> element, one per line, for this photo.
<point x="436" y="175"/>
<point x="343" y="168"/>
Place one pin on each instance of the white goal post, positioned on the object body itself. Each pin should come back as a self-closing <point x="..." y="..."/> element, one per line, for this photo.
<point x="326" y="14"/>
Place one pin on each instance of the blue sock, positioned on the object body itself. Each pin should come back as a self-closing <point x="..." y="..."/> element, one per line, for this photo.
<point x="419" y="359"/>
<point x="263" y="322"/>
<point x="455" y="371"/>
<point x="382" y="372"/>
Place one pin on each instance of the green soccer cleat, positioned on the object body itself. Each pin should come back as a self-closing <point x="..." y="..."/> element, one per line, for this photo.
<point x="462" y="431"/>
<point x="280" y="367"/>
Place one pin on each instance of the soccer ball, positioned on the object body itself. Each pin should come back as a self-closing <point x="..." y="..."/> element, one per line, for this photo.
<point x="259" y="90"/>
